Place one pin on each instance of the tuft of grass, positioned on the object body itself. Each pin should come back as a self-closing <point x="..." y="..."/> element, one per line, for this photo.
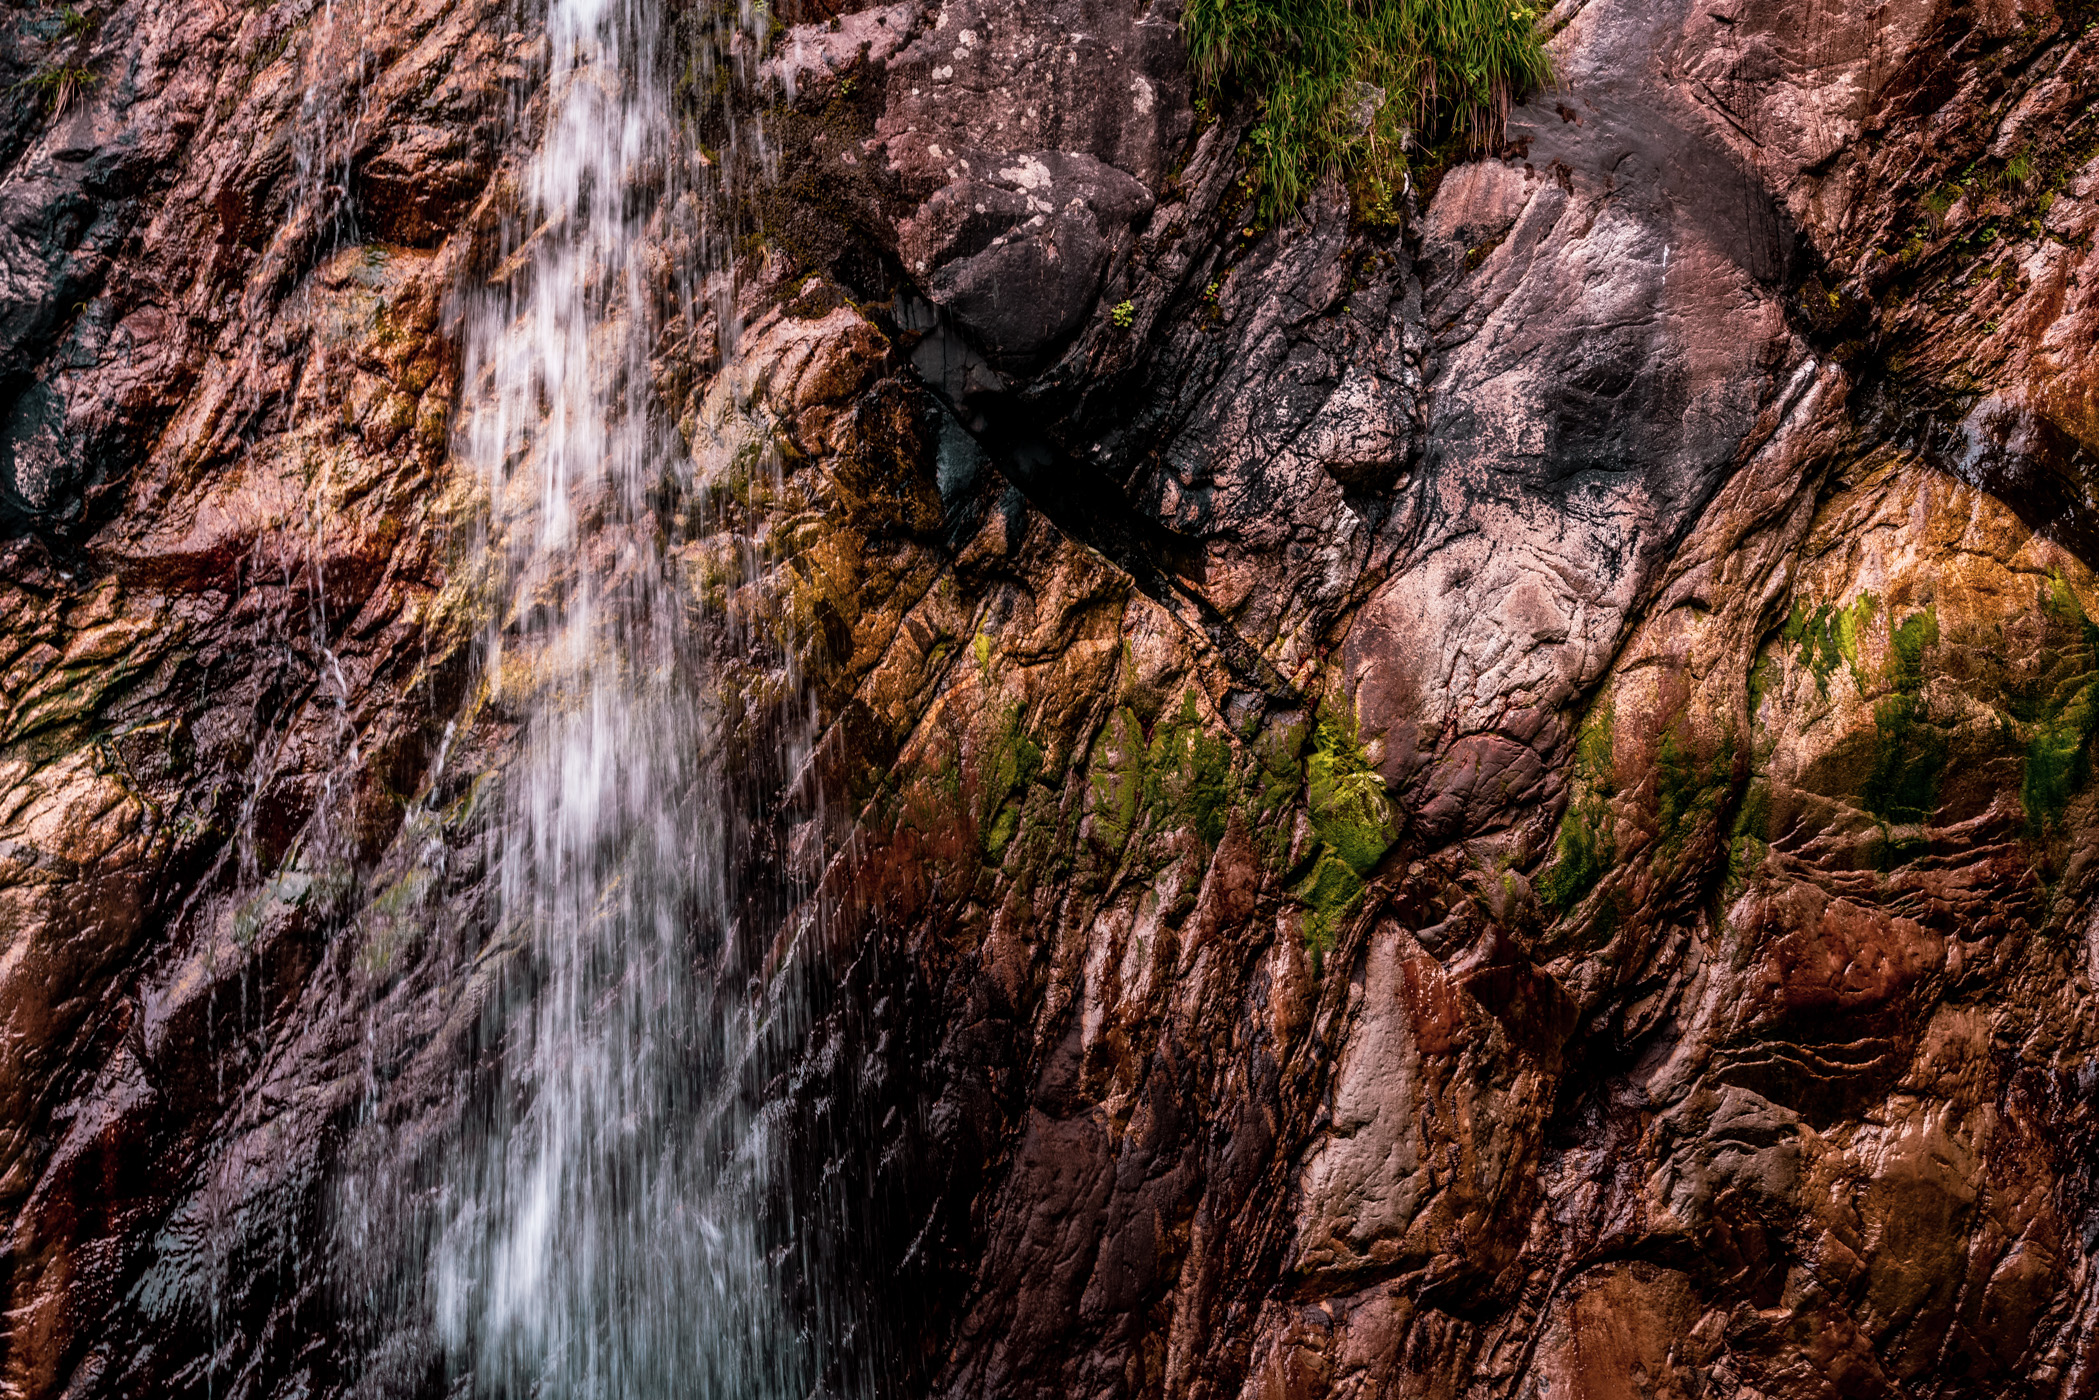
<point x="1345" y="86"/>
<point x="59" y="86"/>
<point x="2018" y="171"/>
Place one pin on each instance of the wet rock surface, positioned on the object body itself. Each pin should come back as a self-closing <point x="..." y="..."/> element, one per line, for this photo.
<point x="1497" y="807"/>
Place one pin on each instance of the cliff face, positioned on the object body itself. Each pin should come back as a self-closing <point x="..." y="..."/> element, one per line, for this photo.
<point x="1491" y="807"/>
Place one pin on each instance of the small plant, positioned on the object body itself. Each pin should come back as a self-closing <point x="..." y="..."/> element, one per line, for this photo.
<point x="1345" y="86"/>
<point x="1123" y="314"/>
<point x="58" y="86"/>
<point x="1210" y="292"/>
<point x="1939" y="201"/>
<point x="2018" y="171"/>
<point x="72" y="23"/>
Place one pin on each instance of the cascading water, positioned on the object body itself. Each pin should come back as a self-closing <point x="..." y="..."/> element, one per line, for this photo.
<point x="596" y="1228"/>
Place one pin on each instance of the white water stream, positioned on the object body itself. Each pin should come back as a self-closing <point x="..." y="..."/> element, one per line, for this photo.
<point x="599" y="1234"/>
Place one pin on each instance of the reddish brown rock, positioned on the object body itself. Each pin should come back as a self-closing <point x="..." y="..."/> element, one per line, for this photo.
<point x="1499" y="809"/>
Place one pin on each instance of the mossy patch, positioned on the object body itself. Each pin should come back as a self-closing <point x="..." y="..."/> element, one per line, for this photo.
<point x="1687" y="788"/>
<point x="1908" y="755"/>
<point x="1828" y="635"/>
<point x="1188" y="774"/>
<point x="1346" y="796"/>
<point x="1181" y="777"/>
<point x="1115" y="777"/>
<point x="2064" y="714"/>
<point x="1583" y="849"/>
<point x="1329" y="893"/>
<point x="1749" y="838"/>
<point x="1008" y="764"/>
<point x="1582" y="852"/>
<point x="1276" y="779"/>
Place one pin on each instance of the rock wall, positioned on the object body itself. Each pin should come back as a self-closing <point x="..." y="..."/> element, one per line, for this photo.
<point x="1495" y="807"/>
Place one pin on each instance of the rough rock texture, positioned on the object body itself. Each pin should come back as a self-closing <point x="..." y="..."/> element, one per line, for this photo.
<point x="1497" y="808"/>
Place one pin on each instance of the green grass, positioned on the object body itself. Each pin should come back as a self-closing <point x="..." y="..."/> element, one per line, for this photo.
<point x="58" y="85"/>
<point x="1344" y="87"/>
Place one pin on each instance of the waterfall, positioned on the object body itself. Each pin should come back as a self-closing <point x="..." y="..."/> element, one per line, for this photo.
<point x="595" y="1229"/>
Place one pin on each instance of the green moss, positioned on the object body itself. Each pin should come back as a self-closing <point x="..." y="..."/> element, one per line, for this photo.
<point x="1903" y="783"/>
<point x="1346" y="796"/>
<point x="1907" y="757"/>
<point x="1187" y="775"/>
<point x="1345" y="85"/>
<point x="1583" y="849"/>
<point x="1851" y="623"/>
<point x="1829" y="635"/>
<point x="1188" y="772"/>
<point x="1011" y="761"/>
<point x="1273" y="783"/>
<point x="2058" y="759"/>
<point x="1329" y="894"/>
<point x="403" y="894"/>
<point x="1279" y="771"/>
<point x="1749" y="838"/>
<point x="1595" y="758"/>
<point x="2064" y="717"/>
<point x="1115" y="776"/>
<point x="1687" y="789"/>
<point x="1582" y="852"/>
<point x="1760" y="676"/>
<point x="1907" y="644"/>
<point x="1002" y="828"/>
